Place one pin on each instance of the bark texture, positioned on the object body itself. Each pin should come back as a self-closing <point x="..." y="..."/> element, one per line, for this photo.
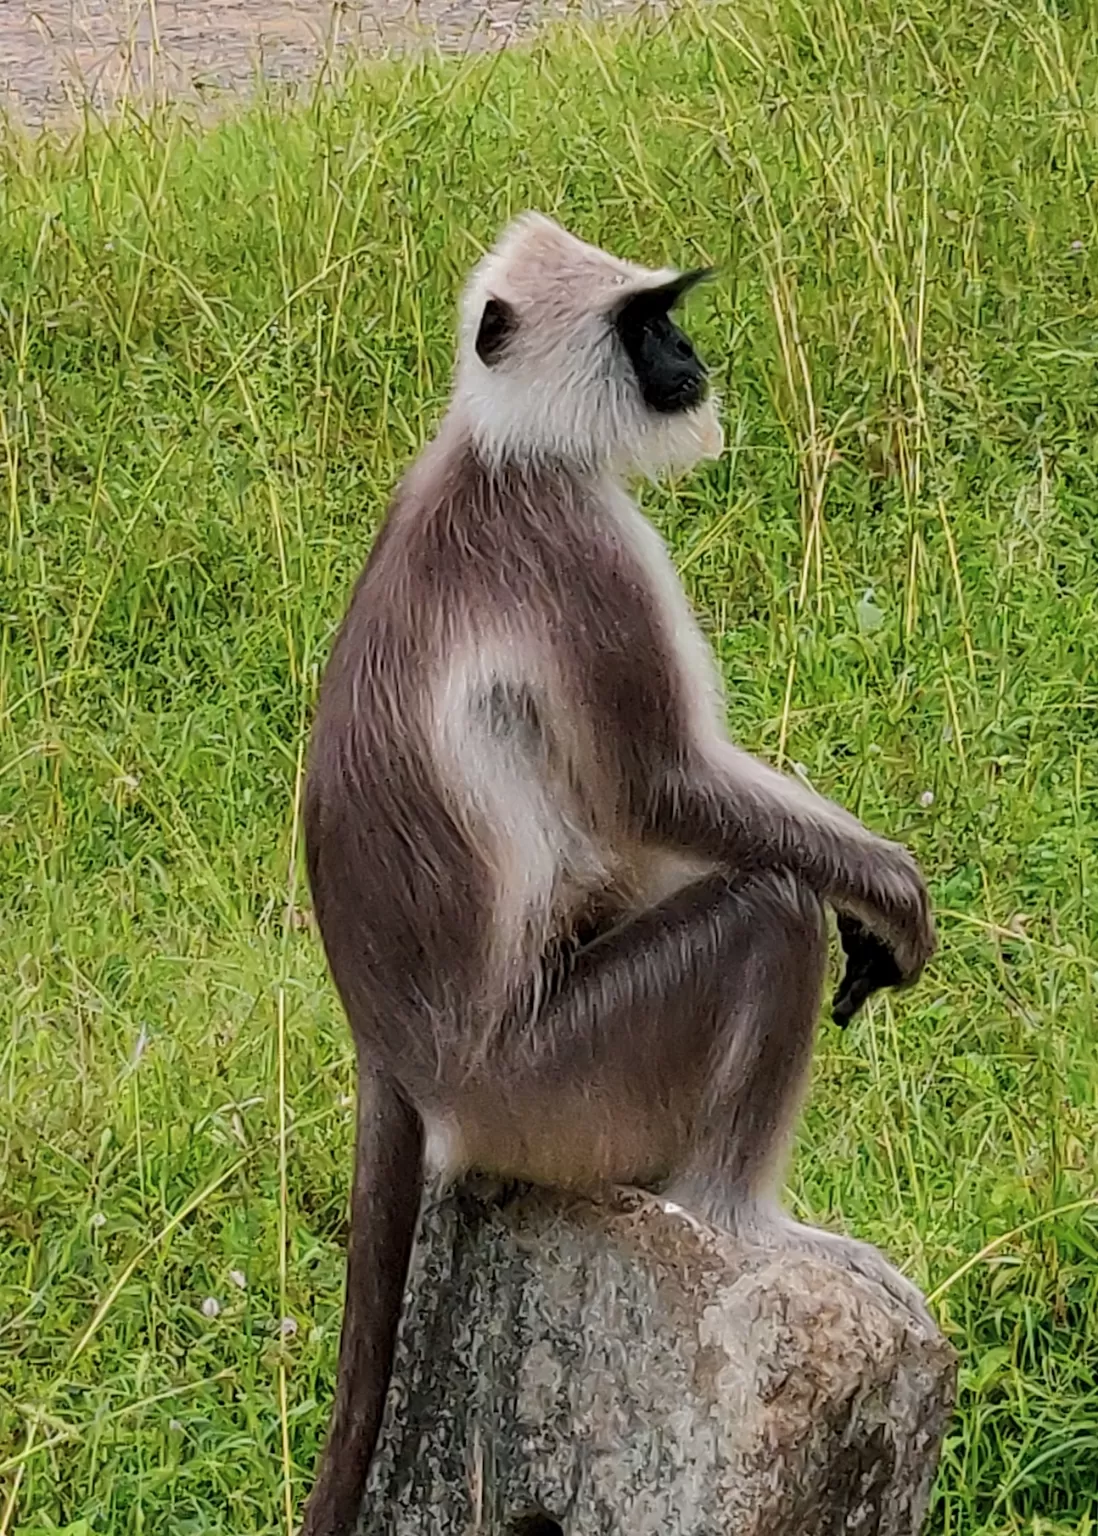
<point x="618" y="1369"/>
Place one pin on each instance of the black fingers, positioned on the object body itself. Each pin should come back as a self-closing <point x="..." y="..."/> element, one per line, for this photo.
<point x="870" y="965"/>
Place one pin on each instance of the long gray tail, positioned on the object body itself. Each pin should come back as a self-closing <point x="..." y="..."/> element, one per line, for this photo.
<point x="385" y="1204"/>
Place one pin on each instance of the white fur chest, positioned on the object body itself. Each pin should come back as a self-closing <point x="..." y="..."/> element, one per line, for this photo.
<point x="697" y="665"/>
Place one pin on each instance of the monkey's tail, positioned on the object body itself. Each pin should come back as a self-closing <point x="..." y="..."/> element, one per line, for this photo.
<point x="385" y="1202"/>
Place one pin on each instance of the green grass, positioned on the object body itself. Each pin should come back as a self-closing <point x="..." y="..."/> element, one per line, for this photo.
<point x="219" y="347"/>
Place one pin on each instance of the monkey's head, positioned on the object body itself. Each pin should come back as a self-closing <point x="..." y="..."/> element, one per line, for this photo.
<point x="566" y="351"/>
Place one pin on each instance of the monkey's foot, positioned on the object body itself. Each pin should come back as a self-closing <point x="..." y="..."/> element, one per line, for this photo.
<point x="850" y="1253"/>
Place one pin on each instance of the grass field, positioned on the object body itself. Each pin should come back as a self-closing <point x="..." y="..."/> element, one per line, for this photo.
<point x="219" y="348"/>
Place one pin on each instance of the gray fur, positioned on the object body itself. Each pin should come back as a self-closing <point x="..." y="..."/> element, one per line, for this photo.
<point x="578" y="934"/>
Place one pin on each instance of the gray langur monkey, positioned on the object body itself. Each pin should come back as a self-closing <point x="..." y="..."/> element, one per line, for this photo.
<point x="578" y="934"/>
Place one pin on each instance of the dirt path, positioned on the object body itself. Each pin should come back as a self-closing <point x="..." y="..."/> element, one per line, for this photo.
<point x="55" y="54"/>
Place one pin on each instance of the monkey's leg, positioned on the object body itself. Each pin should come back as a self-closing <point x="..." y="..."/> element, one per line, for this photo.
<point x="674" y="1052"/>
<point x="734" y="1166"/>
<point x="609" y="1078"/>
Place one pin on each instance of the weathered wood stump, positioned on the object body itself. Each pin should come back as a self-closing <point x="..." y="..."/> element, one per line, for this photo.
<point x="620" y="1370"/>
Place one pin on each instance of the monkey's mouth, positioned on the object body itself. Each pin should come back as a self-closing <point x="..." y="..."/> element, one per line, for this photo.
<point x="688" y="395"/>
<point x="677" y="396"/>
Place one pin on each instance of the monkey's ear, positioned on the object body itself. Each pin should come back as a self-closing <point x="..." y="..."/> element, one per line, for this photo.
<point x="497" y="325"/>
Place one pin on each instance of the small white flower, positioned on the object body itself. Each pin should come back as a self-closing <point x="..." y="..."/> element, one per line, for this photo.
<point x="869" y="614"/>
<point x="211" y="1307"/>
<point x="1077" y="245"/>
<point x="288" y="1327"/>
<point x="346" y="1100"/>
<point x="926" y="799"/>
<point x="98" y="1220"/>
<point x="239" y="1279"/>
<point x="175" y="1425"/>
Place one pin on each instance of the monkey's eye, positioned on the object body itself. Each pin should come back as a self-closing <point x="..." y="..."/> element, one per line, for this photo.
<point x="498" y="324"/>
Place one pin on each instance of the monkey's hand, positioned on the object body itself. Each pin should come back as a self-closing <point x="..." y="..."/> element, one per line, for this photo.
<point x="870" y="965"/>
<point x="888" y="936"/>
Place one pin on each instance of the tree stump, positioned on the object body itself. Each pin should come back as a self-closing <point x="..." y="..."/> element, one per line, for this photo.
<point x="618" y="1369"/>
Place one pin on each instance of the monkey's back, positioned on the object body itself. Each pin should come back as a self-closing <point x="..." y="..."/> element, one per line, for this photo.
<point x="399" y="893"/>
<point x="463" y="807"/>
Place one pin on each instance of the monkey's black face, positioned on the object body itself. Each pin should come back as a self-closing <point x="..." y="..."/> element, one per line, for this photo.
<point x="670" y="374"/>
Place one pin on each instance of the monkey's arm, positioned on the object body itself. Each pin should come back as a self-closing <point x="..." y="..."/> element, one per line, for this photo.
<point x="736" y="810"/>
